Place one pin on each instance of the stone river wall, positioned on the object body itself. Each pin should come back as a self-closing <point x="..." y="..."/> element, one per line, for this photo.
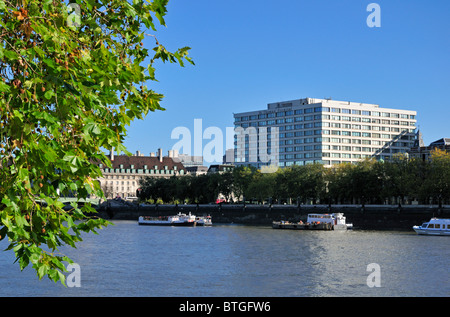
<point x="369" y="217"/>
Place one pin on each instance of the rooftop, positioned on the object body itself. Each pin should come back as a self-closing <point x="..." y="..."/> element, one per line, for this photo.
<point x="311" y="101"/>
<point x="443" y="141"/>
<point x="139" y="162"/>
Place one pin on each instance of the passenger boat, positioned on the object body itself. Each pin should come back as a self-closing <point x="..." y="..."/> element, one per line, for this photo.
<point x="335" y="221"/>
<point x="177" y="220"/>
<point x="435" y="227"/>
<point x="204" y="221"/>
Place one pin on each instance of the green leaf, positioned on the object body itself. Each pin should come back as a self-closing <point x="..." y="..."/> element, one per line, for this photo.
<point x="49" y="94"/>
<point x="42" y="270"/>
<point x="4" y="87"/>
<point x="10" y="55"/>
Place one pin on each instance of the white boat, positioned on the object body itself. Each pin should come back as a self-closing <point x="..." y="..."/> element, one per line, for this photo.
<point x="177" y="220"/>
<point x="435" y="227"/>
<point x="334" y="221"/>
<point x="204" y="221"/>
<point x="337" y="220"/>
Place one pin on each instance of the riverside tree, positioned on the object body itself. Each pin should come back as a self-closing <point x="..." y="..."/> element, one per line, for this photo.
<point x="72" y="78"/>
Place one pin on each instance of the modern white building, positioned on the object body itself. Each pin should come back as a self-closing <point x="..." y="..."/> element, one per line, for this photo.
<point x="306" y="131"/>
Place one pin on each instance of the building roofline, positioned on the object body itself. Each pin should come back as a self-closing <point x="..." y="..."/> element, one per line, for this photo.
<point x="305" y="102"/>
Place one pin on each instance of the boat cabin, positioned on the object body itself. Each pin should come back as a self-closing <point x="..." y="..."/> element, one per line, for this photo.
<point x="436" y="223"/>
<point x="336" y="218"/>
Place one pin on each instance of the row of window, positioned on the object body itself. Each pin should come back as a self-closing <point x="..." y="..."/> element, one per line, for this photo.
<point x="142" y="171"/>
<point x="325" y="109"/>
<point x="437" y="226"/>
<point x="321" y="161"/>
<point x="120" y="183"/>
<point x="121" y="166"/>
<point x="320" y="155"/>
<point x="123" y="194"/>
<point x="117" y="189"/>
<point x="318" y="161"/>
<point x="310" y="148"/>
<point x="335" y="148"/>
<point x="343" y="133"/>
<point x="289" y="135"/>
<point x="315" y="118"/>
<point x="120" y="177"/>
<point x="354" y="127"/>
<point x="270" y="144"/>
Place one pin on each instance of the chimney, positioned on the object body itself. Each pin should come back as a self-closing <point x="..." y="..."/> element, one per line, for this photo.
<point x="160" y="155"/>
<point x="138" y="153"/>
<point x="152" y="154"/>
<point x="111" y="154"/>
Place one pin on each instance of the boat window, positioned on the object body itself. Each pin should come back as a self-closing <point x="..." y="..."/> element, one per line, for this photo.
<point x="424" y="225"/>
<point x="430" y="226"/>
<point x="437" y="226"/>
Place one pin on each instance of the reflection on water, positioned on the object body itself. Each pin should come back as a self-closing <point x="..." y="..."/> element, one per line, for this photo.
<point x="234" y="260"/>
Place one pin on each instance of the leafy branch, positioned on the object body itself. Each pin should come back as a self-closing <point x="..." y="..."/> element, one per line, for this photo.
<point x="66" y="93"/>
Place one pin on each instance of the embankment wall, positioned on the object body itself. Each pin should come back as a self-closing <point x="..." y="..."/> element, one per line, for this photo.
<point x="377" y="217"/>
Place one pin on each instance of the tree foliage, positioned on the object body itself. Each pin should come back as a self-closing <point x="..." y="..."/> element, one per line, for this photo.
<point x="72" y="78"/>
<point x="367" y="181"/>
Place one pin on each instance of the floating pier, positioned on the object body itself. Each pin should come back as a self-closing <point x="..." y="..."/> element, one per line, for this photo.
<point x="302" y="226"/>
<point x="335" y="221"/>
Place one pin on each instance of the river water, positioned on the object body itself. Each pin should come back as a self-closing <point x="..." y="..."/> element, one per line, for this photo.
<point x="243" y="261"/>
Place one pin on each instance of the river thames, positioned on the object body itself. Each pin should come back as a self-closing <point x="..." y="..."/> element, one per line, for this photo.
<point x="243" y="261"/>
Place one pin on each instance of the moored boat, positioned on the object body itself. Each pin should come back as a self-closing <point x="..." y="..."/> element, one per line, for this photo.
<point x="182" y="220"/>
<point x="335" y="221"/>
<point x="435" y="227"/>
<point x="204" y="221"/>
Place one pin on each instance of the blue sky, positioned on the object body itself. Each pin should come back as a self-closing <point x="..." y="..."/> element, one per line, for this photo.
<point x="249" y="53"/>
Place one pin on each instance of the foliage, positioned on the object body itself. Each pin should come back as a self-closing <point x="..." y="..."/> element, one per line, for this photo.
<point x="437" y="182"/>
<point x="262" y="186"/>
<point x="70" y="83"/>
<point x="301" y="182"/>
<point x="368" y="182"/>
<point x="242" y="178"/>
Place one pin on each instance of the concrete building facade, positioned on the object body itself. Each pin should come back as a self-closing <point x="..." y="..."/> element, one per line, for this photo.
<point x="325" y="131"/>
